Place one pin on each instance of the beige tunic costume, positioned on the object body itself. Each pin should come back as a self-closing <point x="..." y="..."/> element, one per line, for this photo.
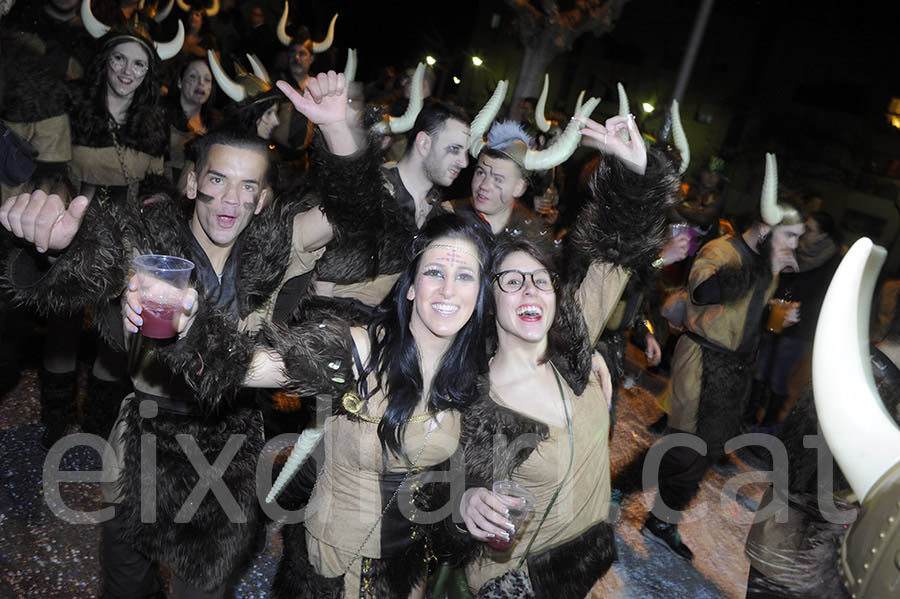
<point x="583" y="500"/>
<point x="344" y="514"/>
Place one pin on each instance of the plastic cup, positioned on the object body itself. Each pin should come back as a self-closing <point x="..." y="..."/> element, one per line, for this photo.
<point x="777" y="313"/>
<point x="517" y="514"/>
<point x="162" y="281"/>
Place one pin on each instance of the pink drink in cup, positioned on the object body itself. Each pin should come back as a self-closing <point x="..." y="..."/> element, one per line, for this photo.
<point x="162" y="281"/>
<point x="517" y="513"/>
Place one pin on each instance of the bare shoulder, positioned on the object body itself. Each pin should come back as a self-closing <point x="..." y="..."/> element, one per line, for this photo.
<point x="361" y="340"/>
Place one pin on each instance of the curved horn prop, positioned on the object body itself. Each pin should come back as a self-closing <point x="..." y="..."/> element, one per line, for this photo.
<point x="680" y="138"/>
<point x="860" y="433"/>
<point x="564" y="146"/>
<point x="93" y="26"/>
<point x="485" y="117"/>
<point x="281" y="30"/>
<point x="319" y="47"/>
<point x="258" y="69"/>
<point x="304" y="446"/>
<point x="212" y="10"/>
<point x="578" y="102"/>
<point x="163" y="14"/>
<point x="231" y="89"/>
<point x="768" y="203"/>
<point x="539" y="119"/>
<point x="183" y="5"/>
<point x="624" y="108"/>
<point x="350" y="67"/>
<point x="404" y="123"/>
<point x="167" y="50"/>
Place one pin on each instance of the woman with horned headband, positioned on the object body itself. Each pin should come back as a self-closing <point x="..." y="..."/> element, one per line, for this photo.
<point x="119" y="139"/>
<point x="546" y="402"/>
<point x="190" y="111"/>
<point x="413" y="370"/>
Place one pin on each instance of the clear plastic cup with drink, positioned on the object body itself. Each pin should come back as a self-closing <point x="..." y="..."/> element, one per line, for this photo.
<point x="778" y="313"/>
<point x="518" y="511"/>
<point x="162" y="282"/>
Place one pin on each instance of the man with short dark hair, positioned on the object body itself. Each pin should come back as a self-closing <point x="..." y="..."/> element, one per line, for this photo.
<point x="243" y="255"/>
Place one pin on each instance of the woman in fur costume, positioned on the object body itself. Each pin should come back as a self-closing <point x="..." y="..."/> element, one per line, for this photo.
<point x="552" y="411"/>
<point x="417" y="366"/>
<point x="119" y="141"/>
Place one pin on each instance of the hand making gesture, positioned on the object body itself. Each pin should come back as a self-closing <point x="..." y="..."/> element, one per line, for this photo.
<point x="324" y="103"/>
<point x="608" y="139"/>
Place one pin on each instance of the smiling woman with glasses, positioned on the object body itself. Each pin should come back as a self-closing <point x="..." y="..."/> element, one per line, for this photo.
<point x="511" y="281"/>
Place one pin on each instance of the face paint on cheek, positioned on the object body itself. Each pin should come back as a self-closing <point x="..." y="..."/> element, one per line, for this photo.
<point x="250" y="206"/>
<point x="203" y="197"/>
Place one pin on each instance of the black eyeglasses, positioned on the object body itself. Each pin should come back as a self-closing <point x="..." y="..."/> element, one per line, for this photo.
<point x="511" y="281"/>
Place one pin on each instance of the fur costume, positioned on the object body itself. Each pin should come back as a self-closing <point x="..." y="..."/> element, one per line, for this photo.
<point x="711" y="387"/>
<point x="624" y="221"/>
<point x="212" y="358"/>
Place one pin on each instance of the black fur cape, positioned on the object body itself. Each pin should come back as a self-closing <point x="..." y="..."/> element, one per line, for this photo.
<point x="30" y="90"/>
<point x="147" y="131"/>
<point x="624" y="220"/>
<point x="566" y="571"/>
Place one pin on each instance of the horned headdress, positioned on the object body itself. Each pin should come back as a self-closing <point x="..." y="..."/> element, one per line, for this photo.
<point x="133" y="31"/>
<point x="317" y="47"/>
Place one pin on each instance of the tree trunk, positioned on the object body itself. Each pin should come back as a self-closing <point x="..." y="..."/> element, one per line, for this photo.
<point x="535" y="61"/>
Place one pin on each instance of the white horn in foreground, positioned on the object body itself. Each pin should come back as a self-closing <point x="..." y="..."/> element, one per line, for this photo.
<point x="319" y="47"/>
<point x="91" y="24"/>
<point x="281" y="30"/>
<point x="578" y="103"/>
<point x="680" y="139"/>
<point x="350" y="67"/>
<point x="405" y="122"/>
<point x="485" y="117"/>
<point x="768" y="202"/>
<point x="230" y="87"/>
<point x="170" y="49"/>
<point x="162" y="15"/>
<point x="258" y="69"/>
<point x="305" y="445"/>
<point x="861" y="434"/>
<point x="565" y="144"/>
<point x="540" y="110"/>
<point x="624" y="108"/>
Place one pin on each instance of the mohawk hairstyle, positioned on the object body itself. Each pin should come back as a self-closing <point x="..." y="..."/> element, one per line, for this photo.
<point x="506" y="132"/>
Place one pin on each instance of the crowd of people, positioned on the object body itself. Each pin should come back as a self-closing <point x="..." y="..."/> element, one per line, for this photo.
<point x="423" y="349"/>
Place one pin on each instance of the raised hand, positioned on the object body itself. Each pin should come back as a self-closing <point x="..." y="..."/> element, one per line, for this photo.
<point x="608" y="139"/>
<point x="43" y="220"/>
<point x="324" y="103"/>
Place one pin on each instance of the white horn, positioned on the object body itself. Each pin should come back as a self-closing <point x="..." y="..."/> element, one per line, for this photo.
<point x="578" y="102"/>
<point x="768" y="202"/>
<point x="485" y="117"/>
<point x="183" y="5"/>
<point x="91" y="24"/>
<point x="281" y="30"/>
<point x="680" y="138"/>
<point x="304" y="446"/>
<point x="539" y="110"/>
<point x="163" y="14"/>
<point x="231" y="89"/>
<point x="258" y="69"/>
<point x="213" y="10"/>
<point x="319" y="47"/>
<point x="404" y="123"/>
<point x="565" y="145"/>
<point x="861" y="434"/>
<point x="624" y="108"/>
<point x="350" y="67"/>
<point x="167" y="50"/>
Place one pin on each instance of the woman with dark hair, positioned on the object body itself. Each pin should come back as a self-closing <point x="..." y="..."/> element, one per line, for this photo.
<point x="544" y="423"/>
<point x="414" y="369"/>
<point x="119" y="141"/>
<point x="190" y="110"/>
<point x="259" y="117"/>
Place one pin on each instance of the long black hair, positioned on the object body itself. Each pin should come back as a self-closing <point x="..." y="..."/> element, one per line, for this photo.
<point x="173" y="100"/>
<point x="395" y="356"/>
<point x="244" y="116"/>
<point x="144" y="128"/>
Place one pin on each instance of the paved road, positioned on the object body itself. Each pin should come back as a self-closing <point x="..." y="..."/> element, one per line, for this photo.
<point x="44" y="557"/>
